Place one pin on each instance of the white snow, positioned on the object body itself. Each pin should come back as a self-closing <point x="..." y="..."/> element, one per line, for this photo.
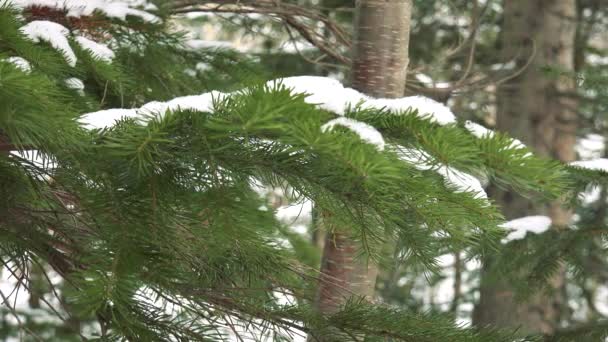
<point x="599" y="164"/>
<point x="426" y="107"/>
<point x="78" y="8"/>
<point x="591" y="146"/>
<point x="519" y="227"/>
<point x="74" y="83"/>
<point x="478" y="130"/>
<point x="201" y="103"/>
<point x="326" y="93"/>
<point x="197" y="44"/>
<point x="462" y="181"/>
<point x="366" y="132"/>
<point x="600" y="299"/>
<point x="590" y="195"/>
<point x="424" y="78"/>
<point x="331" y="95"/>
<point x="106" y="118"/>
<point x="482" y="132"/>
<point x="53" y="33"/>
<point x="97" y="50"/>
<point x="20" y="63"/>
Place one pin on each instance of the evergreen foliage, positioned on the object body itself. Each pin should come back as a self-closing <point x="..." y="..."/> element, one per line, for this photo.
<point x="153" y="225"/>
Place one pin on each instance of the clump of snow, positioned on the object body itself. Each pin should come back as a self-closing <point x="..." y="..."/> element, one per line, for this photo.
<point x="519" y="227"/>
<point x="106" y="118"/>
<point x="74" y="83"/>
<point x="591" y="146"/>
<point x="590" y="195"/>
<point x="53" y="33"/>
<point x="462" y="181"/>
<point x="429" y="82"/>
<point x="426" y="108"/>
<point x="97" y="50"/>
<point x="478" y="130"/>
<point x="331" y="95"/>
<point x="20" y="63"/>
<point x="78" y="8"/>
<point x="197" y="44"/>
<point x="424" y="78"/>
<point x="201" y="103"/>
<point x="599" y="164"/>
<point x="482" y="132"/>
<point x="366" y="132"/>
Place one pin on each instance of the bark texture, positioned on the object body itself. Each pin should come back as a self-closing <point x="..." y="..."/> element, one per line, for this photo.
<point x="531" y="108"/>
<point x="379" y="67"/>
<point x="380" y="50"/>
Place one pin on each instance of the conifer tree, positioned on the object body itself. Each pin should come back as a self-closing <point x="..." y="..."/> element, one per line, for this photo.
<point x="122" y="172"/>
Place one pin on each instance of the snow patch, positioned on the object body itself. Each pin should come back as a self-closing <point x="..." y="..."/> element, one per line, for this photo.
<point x="519" y="227"/>
<point x="96" y="50"/>
<point x="78" y="8"/>
<point x="76" y="84"/>
<point x="482" y="132"/>
<point x="591" y="146"/>
<point x="331" y="95"/>
<point x="197" y="44"/>
<point x="201" y="103"/>
<point x="599" y="164"/>
<point x="53" y="33"/>
<point x="366" y="132"/>
<point x="478" y="130"/>
<point x="462" y="181"/>
<point x="20" y="63"/>
<point x="106" y="118"/>
<point x="591" y="195"/>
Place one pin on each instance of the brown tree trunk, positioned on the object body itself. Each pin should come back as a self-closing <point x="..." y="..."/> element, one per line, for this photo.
<point x="530" y="108"/>
<point x="380" y="59"/>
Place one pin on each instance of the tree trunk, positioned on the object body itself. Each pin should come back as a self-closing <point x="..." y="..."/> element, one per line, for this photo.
<point x="380" y="59"/>
<point x="530" y="108"/>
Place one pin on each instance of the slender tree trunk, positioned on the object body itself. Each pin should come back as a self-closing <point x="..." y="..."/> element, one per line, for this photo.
<point x="530" y="108"/>
<point x="380" y="59"/>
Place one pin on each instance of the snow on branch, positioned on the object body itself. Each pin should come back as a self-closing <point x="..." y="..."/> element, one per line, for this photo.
<point x="78" y="8"/>
<point x="53" y="33"/>
<point x="21" y="63"/>
<point x="366" y="132"/>
<point x="463" y="182"/>
<point x="599" y="164"/>
<point x="97" y="50"/>
<point x="520" y="227"/>
<point x="331" y="95"/>
<point x="328" y="94"/>
<point x="481" y="132"/>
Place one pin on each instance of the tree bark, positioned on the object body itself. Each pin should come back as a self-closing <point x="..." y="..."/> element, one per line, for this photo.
<point x="380" y="59"/>
<point x="531" y="109"/>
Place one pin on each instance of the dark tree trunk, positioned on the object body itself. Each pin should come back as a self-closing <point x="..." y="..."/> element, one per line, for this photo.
<point x="380" y="59"/>
<point x="530" y="108"/>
